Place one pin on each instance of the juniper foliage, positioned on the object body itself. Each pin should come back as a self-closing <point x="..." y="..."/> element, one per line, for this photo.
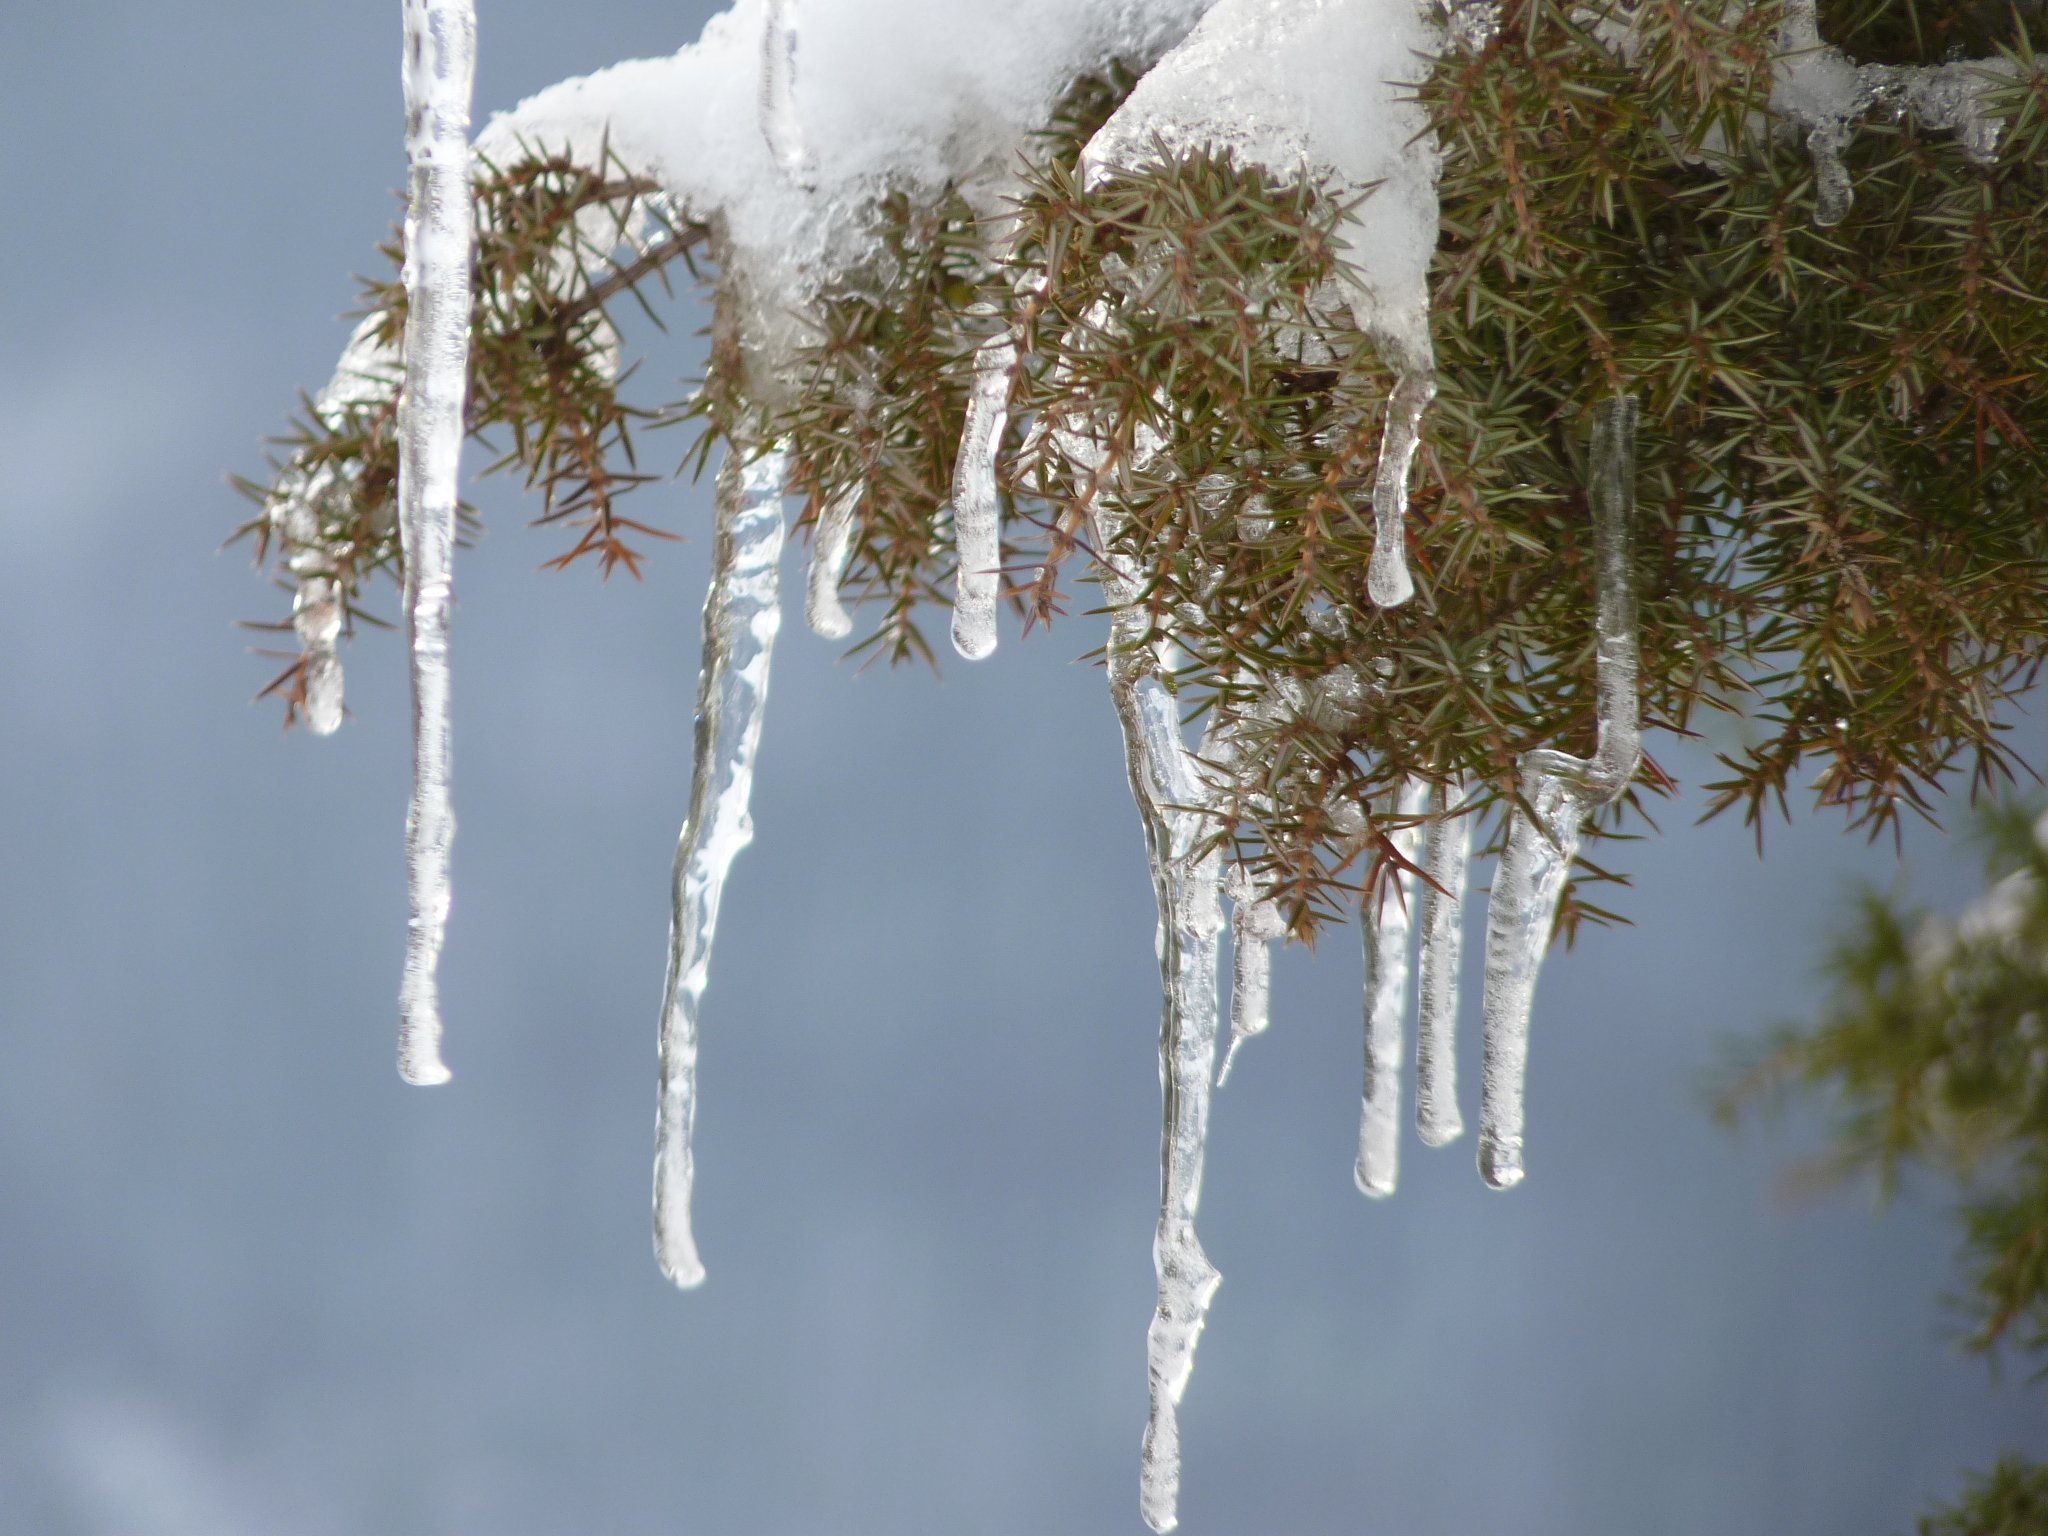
<point x="1842" y="462"/>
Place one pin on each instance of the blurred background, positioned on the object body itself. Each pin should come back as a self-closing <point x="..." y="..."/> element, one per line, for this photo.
<point x="251" y="1284"/>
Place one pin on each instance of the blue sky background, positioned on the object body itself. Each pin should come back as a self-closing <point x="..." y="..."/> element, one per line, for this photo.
<point x="251" y="1284"/>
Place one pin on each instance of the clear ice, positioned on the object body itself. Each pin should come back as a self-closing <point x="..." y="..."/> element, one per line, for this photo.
<point x="831" y="549"/>
<point x="977" y="502"/>
<point x="742" y="614"/>
<point x="1255" y="922"/>
<point x="440" y="230"/>
<point x="1387" y="926"/>
<point x="1560" y="791"/>
<point x="1387" y="581"/>
<point x="1437" y="1120"/>
<point x="1167" y="787"/>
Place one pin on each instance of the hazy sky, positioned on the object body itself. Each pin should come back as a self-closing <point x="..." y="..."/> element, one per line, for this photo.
<point x="252" y="1286"/>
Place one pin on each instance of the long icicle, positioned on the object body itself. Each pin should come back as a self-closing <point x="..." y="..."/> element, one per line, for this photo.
<point x="1387" y="927"/>
<point x="831" y="549"/>
<point x="1560" y="791"/>
<point x="1437" y="1120"/>
<point x="440" y="231"/>
<point x="1168" y="791"/>
<point x="977" y="501"/>
<point x="742" y="614"/>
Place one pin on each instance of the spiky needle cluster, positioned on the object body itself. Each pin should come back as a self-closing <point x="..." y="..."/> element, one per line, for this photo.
<point x="1842" y="435"/>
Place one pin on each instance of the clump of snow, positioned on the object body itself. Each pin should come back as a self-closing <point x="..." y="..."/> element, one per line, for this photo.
<point x="878" y="96"/>
<point x="1322" y="87"/>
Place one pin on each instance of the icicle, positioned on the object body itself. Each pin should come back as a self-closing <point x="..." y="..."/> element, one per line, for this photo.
<point x="440" y="230"/>
<point x="779" y="123"/>
<point x="1387" y="926"/>
<point x="1437" y="1120"/>
<point x="316" y="618"/>
<point x="1824" y="91"/>
<point x="1560" y="791"/>
<point x="977" y="504"/>
<point x="1387" y="582"/>
<point x="1168" y="792"/>
<point x="1254" y="924"/>
<point x="742" y="615"/>
<point x="831" y="548"/>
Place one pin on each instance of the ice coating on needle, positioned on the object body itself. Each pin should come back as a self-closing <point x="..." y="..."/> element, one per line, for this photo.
<point x="831" y="549"/>
<point x="440" y="229"/>
<point x="1437" y="1120"/>
<point x="977" y="501"/>
<point x="1387" y="925"/>
<point x="1824" y="91"/>
<point x="742" y="615"/>
<point x="1560" y="791"/>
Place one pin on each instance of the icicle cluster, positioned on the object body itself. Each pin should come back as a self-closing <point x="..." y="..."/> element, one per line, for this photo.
<point x="1253" y="76"/>
<point x="440" y="229"/>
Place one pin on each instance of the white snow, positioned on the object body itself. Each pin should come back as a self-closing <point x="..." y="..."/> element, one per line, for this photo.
<point x="1311" y="87"/>
<point x="742" y="616"/>
<point x="780" y="126"/>
<point x="440" y="229"/>
<point x="892" y="94"/>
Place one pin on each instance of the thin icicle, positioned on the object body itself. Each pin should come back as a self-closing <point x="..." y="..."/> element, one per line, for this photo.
<point x="1168" y="790"/>
<point x="440" y="230"/>
<point x="1387" y="582"/>
<point x="977" y="502"/>
<point x="1254" y="924"/>
<point x="1560" y="791"/>
<point x="1387" y="926"/>
<point x="742" y="614"/>
<point x="831" y="548"/>
<point x="1437" y="1120"/>
<point x="316" y="619"/>
<point x="779" y="122"/>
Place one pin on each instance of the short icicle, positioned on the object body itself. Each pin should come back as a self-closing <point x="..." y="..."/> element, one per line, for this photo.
<point x="440" y="232"/>
<point x="1168" y="790"/>
<point x="977" y="501"/>
<point x="1255" y="922"/>
<point x="742" y="614"/>
<point x="1387" y="926"/>
<point x="1437" y="1120"/>
<point x="831" y="549"/>
<point x="1387" y="581"/>
<point x="1560" y="791"/>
